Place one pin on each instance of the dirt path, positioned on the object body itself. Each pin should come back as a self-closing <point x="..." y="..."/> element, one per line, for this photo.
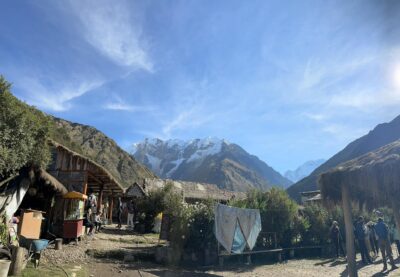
<point x="114" y="253"/>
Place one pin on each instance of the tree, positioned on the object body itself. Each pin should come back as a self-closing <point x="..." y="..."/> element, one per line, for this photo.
<point x="23" y="134"/>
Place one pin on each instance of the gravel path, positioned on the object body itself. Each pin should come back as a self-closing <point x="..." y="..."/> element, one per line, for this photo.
<point x="118" y="244"/>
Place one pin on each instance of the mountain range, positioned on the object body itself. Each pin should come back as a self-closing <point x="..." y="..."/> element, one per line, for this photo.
<point x="381" y="135"/>
<point x="209" y="160"/>
<point x="303" y="171"/>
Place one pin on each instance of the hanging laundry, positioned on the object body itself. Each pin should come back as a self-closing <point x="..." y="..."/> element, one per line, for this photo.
<point x="236" y="228"/>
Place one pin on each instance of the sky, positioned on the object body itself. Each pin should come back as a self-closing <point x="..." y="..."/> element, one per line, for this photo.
<point x="289" y="81"/>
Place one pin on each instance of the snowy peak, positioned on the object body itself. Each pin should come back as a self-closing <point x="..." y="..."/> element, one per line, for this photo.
<point x="304" y="170"/>
<point x="165" y="156"/>
<point x="208" y="160"/>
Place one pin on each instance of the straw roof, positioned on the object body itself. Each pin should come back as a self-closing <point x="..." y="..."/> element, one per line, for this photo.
<point x="51" y="181"/>
<point x="192" y="190"/>
<point x="106" y="176"/>
<point x="373" y="178"/>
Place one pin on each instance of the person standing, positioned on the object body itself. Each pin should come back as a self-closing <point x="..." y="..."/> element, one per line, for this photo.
<point x="131" y="214"/>
<point x="360" y="234"/>
<point x="119" y="212"/>
<point x="382" y="231"/>
<point x="396" y="238"/>
<point x="336" y="238"/>
<point x="373" y="238"/>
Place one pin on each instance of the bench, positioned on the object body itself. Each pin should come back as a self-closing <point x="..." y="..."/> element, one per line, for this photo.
<point x="268" y="243"/>
<point x="278" y="251"/>
<point x="302" y="248"/>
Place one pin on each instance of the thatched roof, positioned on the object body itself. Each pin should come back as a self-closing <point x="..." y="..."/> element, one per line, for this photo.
<point x="111" y="183"/>
<point x="192" y="190"/>
<point x="51" y="181"/>
<point x="372" y="178"/>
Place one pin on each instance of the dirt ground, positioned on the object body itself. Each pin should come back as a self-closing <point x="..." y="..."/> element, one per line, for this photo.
<point x="114" y="253"/>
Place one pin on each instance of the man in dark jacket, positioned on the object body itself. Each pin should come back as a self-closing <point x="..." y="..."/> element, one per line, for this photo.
<point x="336" y="238"/>
<point x="382" y="231"/>
<point x="360" y="234"/>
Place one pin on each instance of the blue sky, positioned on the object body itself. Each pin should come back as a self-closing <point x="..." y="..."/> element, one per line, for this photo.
<point x="289" y="81"/>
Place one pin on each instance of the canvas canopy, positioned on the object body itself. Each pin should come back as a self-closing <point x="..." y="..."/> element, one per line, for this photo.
<point x="236" y="228"/>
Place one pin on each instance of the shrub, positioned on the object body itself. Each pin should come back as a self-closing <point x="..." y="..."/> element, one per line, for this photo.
<point x="23" y="134"/>
<point x="319" y="223"/>
<point x="277" y="210"/>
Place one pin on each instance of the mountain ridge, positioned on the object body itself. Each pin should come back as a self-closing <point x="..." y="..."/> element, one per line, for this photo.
<point x="381" y="135"/>
<point x="91" y="142"/>
<point x="209" y="160"/>
<point x="303" y="170"/>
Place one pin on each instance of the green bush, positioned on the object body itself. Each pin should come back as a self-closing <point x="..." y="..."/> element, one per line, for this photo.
<point x="23" y="134"/>
<point x="201" y="226"/>
<point x="317" y="232"/>
<point x="277" y="211"/>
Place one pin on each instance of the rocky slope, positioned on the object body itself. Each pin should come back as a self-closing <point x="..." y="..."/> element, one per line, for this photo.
<point x="209" y="161"/>
<point x="94" y="144"/>
<point x="381" y="135"/>
<point x="303" y="171"/>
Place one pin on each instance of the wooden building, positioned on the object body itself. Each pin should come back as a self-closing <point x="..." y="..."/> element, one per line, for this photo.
<point x="79" y="173"/>
<point x="191" y="191"/>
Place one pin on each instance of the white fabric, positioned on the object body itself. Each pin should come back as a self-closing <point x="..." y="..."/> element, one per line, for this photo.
<point x="13" y="200"/>
<point x="226" y="219"/>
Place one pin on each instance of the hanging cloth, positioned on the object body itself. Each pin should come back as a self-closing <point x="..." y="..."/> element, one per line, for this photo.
<point x="235" y="228"/>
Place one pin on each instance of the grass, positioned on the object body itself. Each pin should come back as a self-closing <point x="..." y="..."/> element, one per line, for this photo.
<point x="147" y="238"/>
<point x="48" y="270"/>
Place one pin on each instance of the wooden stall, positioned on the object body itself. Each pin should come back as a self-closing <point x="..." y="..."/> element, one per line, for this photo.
<point x="81" y="174"/>
<point x="73" y="215"/>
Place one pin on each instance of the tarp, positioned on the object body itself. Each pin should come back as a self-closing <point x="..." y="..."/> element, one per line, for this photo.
<point x="236" y="228"/>
<point x="12" y="195"/>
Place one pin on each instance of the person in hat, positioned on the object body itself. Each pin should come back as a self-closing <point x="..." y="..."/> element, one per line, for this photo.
<point x="360" y="234"/>
<point x="336" y="238"/>
<point x="382" y="232"/>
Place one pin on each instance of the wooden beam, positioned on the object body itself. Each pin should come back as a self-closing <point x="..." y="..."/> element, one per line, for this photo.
<point x="110" y="208"/>
<point x="351" y="254"/>
<point x="95" y="178"/>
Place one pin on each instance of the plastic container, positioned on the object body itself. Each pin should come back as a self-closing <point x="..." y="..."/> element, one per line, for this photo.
<point x="4" y="267"/>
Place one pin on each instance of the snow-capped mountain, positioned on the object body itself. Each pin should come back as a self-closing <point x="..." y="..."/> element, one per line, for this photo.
<point x="304" y="170"/>
<point x="209" y="160"/>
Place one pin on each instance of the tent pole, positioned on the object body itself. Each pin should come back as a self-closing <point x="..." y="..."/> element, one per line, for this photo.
<point x="351" y="254"/>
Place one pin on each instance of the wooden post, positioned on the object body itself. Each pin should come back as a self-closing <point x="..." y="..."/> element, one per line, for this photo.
<point x="100" y="202"/>
<point x="85" y="184"/>
<point x="348" y="220"/>
<point x="18" y="258"/>
<point x="110" y="208"/>
<point x="396" y="212"/>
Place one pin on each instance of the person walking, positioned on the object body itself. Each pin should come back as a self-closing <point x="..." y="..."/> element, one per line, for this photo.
<point x="360" y="234"/>
<point x="336" y="238"/>
<point x="382" y="231"/>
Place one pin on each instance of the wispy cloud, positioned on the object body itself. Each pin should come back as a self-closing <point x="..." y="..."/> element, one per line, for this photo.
<point x="112" y="29"/>
<point x="54" y="98"/>
<point x="118" y="104"/>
